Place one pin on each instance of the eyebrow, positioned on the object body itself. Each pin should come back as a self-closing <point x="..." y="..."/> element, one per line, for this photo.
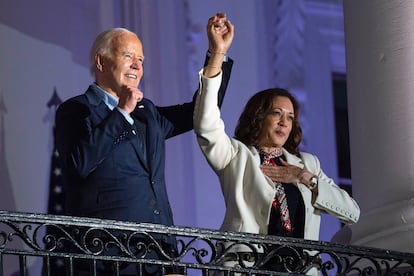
<point x="284" y="110"/>
<point x="132" y="53"/>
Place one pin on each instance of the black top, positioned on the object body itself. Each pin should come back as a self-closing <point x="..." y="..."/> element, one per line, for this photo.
<point x="296" y="208"/>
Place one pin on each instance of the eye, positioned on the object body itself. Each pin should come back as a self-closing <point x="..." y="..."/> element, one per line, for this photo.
<point x="127" y="56"/>
<point x="276" y="113"/>
<point x="291" y="117"/>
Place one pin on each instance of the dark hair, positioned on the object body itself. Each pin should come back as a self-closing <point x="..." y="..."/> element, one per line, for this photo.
<point x="251" y="119"/>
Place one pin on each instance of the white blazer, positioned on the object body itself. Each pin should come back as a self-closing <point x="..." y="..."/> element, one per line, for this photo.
<point x="247" y="192"/>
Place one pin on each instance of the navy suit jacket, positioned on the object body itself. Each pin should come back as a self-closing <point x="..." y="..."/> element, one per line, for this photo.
<point x="104" y="170"/>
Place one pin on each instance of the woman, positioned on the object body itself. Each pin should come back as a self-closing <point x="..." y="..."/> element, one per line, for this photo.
<point x="262" y="166"/>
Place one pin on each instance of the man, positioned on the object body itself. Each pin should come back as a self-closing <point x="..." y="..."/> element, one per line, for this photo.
<point x="111" y="139"/>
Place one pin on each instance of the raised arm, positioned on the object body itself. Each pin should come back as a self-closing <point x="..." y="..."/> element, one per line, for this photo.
<point x="220" y="33"/>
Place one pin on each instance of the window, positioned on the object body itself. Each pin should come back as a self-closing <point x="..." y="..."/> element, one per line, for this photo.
<point x="342" y="131"/>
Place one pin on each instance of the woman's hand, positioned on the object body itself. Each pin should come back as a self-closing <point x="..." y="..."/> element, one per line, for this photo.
<point x="287" y="173"/>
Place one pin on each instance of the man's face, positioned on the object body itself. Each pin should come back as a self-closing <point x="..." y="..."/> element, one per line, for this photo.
<point x="123" y="65"/>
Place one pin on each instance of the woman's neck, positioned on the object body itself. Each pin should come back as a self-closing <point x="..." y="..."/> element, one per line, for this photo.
<point x="269" y="149"/>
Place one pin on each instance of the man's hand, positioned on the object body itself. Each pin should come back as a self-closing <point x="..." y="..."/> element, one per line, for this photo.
<point x="129" y="97"/>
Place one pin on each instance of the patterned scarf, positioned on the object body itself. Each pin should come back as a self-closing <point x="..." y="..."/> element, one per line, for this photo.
<point x="280" y="200"/>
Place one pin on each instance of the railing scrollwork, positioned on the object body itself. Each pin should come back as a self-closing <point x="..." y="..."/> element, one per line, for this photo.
<point x="199" y="251"/>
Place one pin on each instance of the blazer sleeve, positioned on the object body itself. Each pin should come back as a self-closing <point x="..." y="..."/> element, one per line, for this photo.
<point x="331" y="198"/>
<point x="181" y="116"/>
<point x="209" y="128"/>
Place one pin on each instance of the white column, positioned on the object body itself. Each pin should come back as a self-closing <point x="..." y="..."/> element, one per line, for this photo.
<point x="379" y="38"/>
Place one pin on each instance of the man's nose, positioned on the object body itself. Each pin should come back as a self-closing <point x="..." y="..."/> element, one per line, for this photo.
<point x="136" y="64"/>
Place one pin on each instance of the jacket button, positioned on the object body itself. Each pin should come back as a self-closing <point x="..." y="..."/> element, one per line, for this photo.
<point x="156" y="212"/>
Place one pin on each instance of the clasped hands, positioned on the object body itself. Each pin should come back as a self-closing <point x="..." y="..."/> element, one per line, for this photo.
<point x="220" y="33"/>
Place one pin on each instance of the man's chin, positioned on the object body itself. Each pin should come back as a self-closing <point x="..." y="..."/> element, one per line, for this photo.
<point x="132" y="83"/>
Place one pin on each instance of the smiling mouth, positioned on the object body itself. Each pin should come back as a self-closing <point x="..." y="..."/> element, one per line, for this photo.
<point x="131" y="76"/>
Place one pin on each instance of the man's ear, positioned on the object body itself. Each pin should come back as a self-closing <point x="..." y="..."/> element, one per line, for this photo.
<point x="99" y="62"/>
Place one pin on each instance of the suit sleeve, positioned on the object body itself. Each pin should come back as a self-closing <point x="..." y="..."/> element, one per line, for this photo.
<point x="181" y="116"/>
<point x="226" y="72"/>
<point x="331" y="198"/>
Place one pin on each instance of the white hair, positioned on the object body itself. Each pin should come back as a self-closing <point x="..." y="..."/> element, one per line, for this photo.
<point x="103" y="44"/>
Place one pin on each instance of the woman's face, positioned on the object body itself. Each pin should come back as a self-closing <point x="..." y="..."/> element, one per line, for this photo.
<point x="277" y="124"/>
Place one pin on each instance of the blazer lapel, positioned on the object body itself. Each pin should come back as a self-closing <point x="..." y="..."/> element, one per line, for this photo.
<point x="143" y="149"/>
<point x="255" y="154"/>
<point x="103" y="110"/>
<point x="293" y="159"/>
<point x="140" y="143"/>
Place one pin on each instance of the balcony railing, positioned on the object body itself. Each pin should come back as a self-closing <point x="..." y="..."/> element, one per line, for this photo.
<point x="62" y="242"/>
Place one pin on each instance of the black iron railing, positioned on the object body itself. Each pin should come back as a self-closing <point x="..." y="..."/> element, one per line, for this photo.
<point x="66" y="245"/>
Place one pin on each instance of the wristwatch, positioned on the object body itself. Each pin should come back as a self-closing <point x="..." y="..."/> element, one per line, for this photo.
<point x="313" y="183"/>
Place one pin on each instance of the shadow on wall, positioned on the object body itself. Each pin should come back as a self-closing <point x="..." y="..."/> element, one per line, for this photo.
<point x="7" y="201"/>
<point x="57" y="25"/>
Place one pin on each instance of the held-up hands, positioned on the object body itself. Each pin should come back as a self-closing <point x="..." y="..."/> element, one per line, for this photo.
<point x="129" y="96"/>
<point x="220" y="33"/>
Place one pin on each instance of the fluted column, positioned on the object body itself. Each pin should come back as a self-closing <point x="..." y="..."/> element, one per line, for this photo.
<point x="379" y="38"/>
